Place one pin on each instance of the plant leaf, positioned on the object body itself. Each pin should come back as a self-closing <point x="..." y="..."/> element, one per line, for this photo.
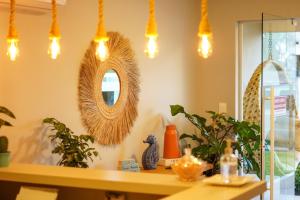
<point x="175" y="109"/>
<point x="6" y="111"/>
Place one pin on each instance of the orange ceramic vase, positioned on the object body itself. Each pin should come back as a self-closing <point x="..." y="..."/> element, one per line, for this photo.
<point x="171" y="145"/>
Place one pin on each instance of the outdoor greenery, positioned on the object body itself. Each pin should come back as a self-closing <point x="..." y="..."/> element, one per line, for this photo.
<point x="73" y="149"/>
<point x="4" y="139"/>
<point x="297" y="180"/>
<point x="211" y="139"/>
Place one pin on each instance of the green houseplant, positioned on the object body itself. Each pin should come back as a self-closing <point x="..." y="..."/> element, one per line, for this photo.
<point x="211" y="139"/>
<point x="74" y="150"/>
<point x="4" y="153"/>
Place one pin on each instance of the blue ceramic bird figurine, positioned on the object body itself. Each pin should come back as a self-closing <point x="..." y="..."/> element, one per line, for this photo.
<point x="151" y="154"/>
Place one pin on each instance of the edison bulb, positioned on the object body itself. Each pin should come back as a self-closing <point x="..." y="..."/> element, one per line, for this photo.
<point x="151" y="46"/>
<point x="102" y="52"/>
<point x="12" y="49"/>
<point x="205" y="45"/>
<point x="54" y="47"/>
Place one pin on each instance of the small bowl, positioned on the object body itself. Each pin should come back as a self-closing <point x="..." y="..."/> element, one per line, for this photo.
<point x="189" y="168"/>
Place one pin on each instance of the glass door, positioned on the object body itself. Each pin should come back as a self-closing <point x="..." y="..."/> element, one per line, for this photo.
<point x="279" y="97"/>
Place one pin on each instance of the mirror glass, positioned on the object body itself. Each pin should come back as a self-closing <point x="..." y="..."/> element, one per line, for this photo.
<point x="110" y="87"/>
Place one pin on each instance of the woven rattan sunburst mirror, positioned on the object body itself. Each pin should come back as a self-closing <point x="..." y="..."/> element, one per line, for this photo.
<point x="109" y="121"/>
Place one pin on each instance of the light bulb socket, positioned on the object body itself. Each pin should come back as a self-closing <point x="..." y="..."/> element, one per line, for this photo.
<point x="151" y="29"/>
<point x="204" y="27"/>
<point x="101" y="34"/>
<point x="54" y="31"/>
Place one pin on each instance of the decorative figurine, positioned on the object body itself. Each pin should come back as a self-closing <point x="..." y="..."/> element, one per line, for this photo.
<point x="151" y="154"/>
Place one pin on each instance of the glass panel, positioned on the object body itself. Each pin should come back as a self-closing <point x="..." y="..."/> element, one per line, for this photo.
<point x="280" y="93"/>
<point x="110" y="87"/>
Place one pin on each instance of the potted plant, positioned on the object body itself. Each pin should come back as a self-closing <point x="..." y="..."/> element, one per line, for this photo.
<point x="4" y="153"/>
<point x="73" y="149"/>
<point x="210" y="141"/>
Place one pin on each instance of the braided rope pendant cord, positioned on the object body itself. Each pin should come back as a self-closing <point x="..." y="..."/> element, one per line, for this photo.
<point x="101" y="32"/>
<point x="54" y="31"/>
<point x="12" y="33"/>
<point x="204" y="12"/>
<point x="152" y="9"/>
<point x="100" y="12"/>
<point x="151" y="26"/>
<point x="204" y="27"/>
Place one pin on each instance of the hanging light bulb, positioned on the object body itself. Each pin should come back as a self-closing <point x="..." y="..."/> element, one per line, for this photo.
<point x="151" y="49"/>
<point x="12" y="37"/>
<point x="54" y="35"/>
<point x="205" y="33"/>
<point x="101" y="38"/>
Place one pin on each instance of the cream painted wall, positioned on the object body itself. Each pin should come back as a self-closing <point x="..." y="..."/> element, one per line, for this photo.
<point x="35" y="87"/>
<point x="217" y="74"/>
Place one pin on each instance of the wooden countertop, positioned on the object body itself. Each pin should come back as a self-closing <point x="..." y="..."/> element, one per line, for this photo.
<point x="146" y="183"/>
<point x="160" y="184"/>
<point x="209" y="192"/>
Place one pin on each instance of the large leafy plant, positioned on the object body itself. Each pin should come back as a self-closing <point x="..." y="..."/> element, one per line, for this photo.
<point x="74" y="150"/>
<point x="211" y="139"/>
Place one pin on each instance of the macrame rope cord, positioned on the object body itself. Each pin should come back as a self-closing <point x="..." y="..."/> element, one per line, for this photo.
<point x="204" y="27"/>
<point x="100" y="13"/>
<point x="12" y="33"/>
<point x="204" y="13"/>
<point x="54" y="32"/>
<point x="152" y="8"/>
<point x="151" y="26"/>
<point x="101" y="32"/>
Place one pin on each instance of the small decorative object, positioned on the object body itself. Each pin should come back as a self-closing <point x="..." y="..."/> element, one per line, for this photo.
<point x="205" y="34"/>
<point x="171" y="146"/>
<point x="210" y="141"/>
<point x="150" y="156"/>
<point x="129" y="165"/>
<point x="188" y="167"/>
<point x="229" y="163"/>
<point x="4" y="153"/>
<point x="109" y="124"/>
<point x="73" y="149"/>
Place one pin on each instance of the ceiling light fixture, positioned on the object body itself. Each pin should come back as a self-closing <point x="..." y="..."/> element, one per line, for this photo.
<point x="205" y="34"/>
<point x="54" y="35"/>
<point x="101" y="37"/>
<point x="12" y="37"/>
<point x="151" y="32"/>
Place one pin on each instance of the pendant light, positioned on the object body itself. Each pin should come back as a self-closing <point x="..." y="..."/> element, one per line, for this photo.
<point x="101" y="37"/>
<point x="205" y="33"/>
<point x="151" y="32"/>
<point x="12" y="37"/>
<point x="54" y="34"/>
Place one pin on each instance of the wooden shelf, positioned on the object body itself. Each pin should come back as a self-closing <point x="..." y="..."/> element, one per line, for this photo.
<point x="155" y="182"/>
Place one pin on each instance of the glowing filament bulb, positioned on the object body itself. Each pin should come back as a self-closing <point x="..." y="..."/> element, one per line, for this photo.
<point x="12" y="49"/>
<point x="102" y="50"/>
<point x="151" y="46"/>
<point x="205" y="45"/>
<point x="54" y="47"/>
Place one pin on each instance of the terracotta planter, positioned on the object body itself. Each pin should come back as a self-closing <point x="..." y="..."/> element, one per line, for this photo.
<point x="4" y="159"/>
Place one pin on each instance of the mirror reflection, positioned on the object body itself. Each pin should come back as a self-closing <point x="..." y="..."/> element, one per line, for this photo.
<point x="110" y="87"/>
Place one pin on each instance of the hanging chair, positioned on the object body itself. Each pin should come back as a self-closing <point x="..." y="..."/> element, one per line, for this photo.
<point x="252" y="95"/>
